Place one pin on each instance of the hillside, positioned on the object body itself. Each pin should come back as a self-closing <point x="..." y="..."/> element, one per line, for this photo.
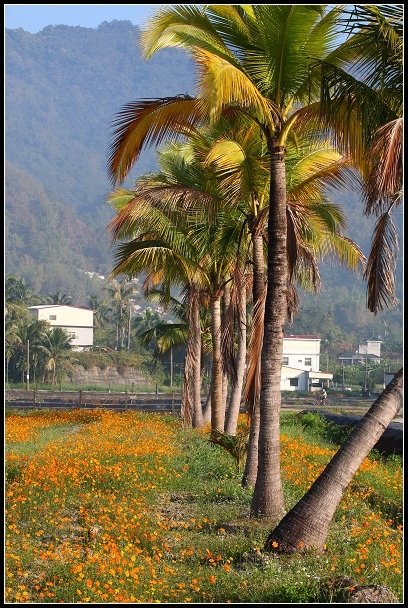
<point x="64" y="86"/>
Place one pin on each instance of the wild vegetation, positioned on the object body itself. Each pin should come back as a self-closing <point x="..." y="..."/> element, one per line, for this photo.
<point x="107" y="507"/>
<point x="238" y="219"/>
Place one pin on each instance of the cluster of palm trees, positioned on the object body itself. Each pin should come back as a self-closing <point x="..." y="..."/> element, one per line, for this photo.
<point x="284" y="107"/>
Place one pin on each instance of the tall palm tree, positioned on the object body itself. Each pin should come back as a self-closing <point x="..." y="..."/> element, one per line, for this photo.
<point x="257" y="60"/>
<point x="312" y="164"/>
<point x="120" y="294"/>
<point x="174" y="214"/>
<point x="377" y="47"/>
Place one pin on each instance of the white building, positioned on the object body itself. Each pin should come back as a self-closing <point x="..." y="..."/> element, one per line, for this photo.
<point x="301" y="364"/>
<point x="370" y="351"/>
<point x="76" y="320"/>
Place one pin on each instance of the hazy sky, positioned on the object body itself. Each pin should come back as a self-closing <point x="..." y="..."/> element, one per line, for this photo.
<point x="34" y="17"/>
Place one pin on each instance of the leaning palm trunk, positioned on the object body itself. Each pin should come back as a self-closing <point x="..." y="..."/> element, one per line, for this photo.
<point x="251" y="464"/>
<point x="231" y="421"/>
<point x="307" y="524"/>
<point x="268" y="495"/>
<point x="217" y="405"/>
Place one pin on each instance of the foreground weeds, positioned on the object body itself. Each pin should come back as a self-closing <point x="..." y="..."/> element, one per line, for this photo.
<point x="129" y="507"/>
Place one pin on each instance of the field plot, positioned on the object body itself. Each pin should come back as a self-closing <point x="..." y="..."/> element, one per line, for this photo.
<point x="129" y="507"/>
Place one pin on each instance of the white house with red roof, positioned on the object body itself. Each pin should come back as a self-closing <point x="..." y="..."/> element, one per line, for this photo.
<point x="77" y="321"/>
<point x="301" y="364"/>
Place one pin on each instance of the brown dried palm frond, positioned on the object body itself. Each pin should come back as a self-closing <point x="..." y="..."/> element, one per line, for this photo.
<point x="231" y="323"/>
<point x="292" y="301"/>
<point x="149" y="122"/>
<point x="193" y="300"/>
<point x="253" y="376"/>
<point x="386" y="177"/>
<point x="381" y="265"/>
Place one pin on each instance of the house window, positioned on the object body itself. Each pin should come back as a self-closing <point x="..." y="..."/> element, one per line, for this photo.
<point x="52" y="317"/>
<point x="285" y="360"/>
<point x="308" y="361"/>
<point x="294" y="382"/>
<point x="72" y="335"/>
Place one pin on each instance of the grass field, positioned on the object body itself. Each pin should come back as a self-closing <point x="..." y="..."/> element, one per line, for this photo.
<point x="129" y="507"/>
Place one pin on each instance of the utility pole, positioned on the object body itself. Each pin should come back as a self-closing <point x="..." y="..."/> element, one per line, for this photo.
<point x="365" y="375"/>
<point x="171" y="367"/>
<point x="129" y="323"/>
<point x="28" y="365"/>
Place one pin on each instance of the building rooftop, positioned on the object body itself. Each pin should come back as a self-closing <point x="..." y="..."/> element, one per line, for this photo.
<point x="301" y="337"/>
<point x="59" y="306"/>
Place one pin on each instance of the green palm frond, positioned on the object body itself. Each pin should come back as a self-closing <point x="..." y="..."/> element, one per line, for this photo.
<point x="182" y="26"/>
<point x="166" y="336"/>
<point x="236" y="445"/>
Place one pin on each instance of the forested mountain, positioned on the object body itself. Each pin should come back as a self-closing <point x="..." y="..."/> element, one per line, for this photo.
<point x="63" y="88"/>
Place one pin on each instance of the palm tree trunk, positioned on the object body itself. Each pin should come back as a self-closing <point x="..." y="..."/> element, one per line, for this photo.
<point x="268" y="495"/>
<point x="217" y="405"/>
<point x="236" y="390"/>
<point x="307" y="524"/>
<point x="225" y="312"/>
<point x="207" y="407"/>
<point x="196" y="339"/>
<point x="251" y="463"/>
<point x="191" y="410"/>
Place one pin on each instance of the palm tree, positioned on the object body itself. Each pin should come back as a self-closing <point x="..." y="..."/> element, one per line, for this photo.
<point x="378" y="42"/>
<point x="59" y="298"/>
<point x="30" y="332"/>
<point x="58" y="345"/>
<point x="16" y="290"/>
<point x="185" y="239"/>
<point x="120" y="294"/>
<point x="257" y="60"/>
<point x="311" y="165"/>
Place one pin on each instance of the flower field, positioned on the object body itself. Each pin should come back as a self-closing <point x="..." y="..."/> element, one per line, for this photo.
<point x="130" y="508"/>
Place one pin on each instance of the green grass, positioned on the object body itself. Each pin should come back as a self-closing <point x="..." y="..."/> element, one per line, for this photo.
<point x="199" y="517"/>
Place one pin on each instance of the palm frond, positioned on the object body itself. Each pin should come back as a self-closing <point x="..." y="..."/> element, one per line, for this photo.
<point x="386" y="177"/>
<point x="252" y="385"/>
<point x="380" y="270"/>
<point x="147" y="122"/>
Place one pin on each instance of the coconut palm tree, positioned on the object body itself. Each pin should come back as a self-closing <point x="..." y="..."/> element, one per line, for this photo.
<point x="377" y="48"/>
<point x="59" y="298"/>
<point x="312" y="164"/>
<point x="170" y="205"/>
<point x="120" y="294"/>
<point x="58" y="345"/>
<point x="258" y="60"/>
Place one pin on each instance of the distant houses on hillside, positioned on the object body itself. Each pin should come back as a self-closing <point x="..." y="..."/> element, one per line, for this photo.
<point x="371" y="351"/>
<point x="76" y="320"/>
